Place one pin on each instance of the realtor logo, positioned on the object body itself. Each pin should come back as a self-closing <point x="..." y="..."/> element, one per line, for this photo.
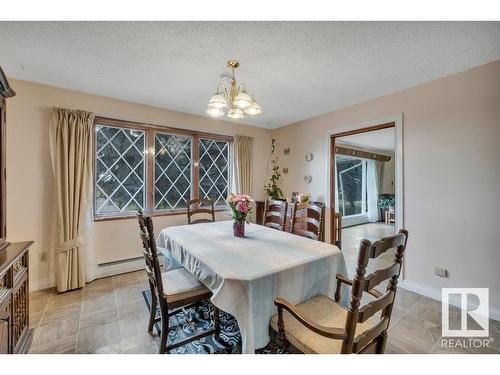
<point x="473" y="320"/>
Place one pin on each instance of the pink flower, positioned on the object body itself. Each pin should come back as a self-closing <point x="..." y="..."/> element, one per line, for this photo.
<point x="241" y="206"/>
<point x="236" y="198"/>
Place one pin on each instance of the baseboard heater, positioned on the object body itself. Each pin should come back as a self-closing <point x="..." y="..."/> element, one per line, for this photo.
<point x="117" y="262"/>
<point x="119" y="266"/>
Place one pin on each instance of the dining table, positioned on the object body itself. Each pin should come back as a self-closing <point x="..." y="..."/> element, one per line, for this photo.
<point x="246" y="274"/>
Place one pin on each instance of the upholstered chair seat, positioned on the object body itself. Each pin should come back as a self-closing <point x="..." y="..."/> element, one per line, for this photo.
<point x="323" y="311"/>
<point x="180" y="284"/>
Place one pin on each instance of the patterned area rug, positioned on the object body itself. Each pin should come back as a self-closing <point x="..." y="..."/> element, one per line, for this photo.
<point x="189" y="321"/>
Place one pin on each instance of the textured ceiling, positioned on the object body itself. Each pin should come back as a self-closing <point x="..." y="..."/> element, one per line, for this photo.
<point x="297" y="70"/>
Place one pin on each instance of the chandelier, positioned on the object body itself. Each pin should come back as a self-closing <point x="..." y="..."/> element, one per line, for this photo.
<point x="236" y="100"/>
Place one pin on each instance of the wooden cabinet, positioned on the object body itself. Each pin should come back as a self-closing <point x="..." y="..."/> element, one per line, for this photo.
<point x="5" y="324"/>
<point x="15" y="335"/>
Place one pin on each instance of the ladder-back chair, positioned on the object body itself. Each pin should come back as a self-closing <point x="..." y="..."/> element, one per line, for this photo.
<point x="321" y="325"/>
<point x="307" y="220"/>
<point x="275" y="214"/>
<point x="173" y="290"/>
<point x="197" y="207"/>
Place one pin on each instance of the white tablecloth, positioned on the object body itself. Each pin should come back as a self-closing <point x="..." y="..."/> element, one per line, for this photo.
<point x="246" y="274"/>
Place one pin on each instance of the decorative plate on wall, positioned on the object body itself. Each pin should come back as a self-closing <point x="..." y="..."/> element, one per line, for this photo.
<point x="309" y="157"/>
<point x="308" y="179"/>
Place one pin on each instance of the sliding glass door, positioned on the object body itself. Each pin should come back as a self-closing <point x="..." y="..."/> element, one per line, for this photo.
<point x="351" y="186"/>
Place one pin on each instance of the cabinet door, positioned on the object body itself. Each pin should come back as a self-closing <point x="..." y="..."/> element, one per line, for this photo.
<point x="20" y="313"/>
<point x="5" y="328"/>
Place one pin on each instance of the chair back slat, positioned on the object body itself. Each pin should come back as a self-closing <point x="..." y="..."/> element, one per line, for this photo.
<point x="390" y="242"/>
<point x="370" y="335"/>
<point x="308" y="234"/>
<point x="307" y="220"/>
<point x="362" y="284"/>
<point x="370" y="309"/>
<point x="198" y="207"/>
<point x="275" y="214"/>
<point x="375" y="278"/>
<point x="150" y="252"/>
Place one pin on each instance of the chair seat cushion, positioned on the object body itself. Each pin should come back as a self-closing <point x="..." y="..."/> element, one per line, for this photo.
<point x="324" y="311"/>
<point x="179" y="284"/>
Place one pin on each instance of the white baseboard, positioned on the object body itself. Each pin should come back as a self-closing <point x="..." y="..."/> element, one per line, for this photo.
<point x="436" y="294"/>
<point x="39" y="285"/>
<point x="100" y="272"/>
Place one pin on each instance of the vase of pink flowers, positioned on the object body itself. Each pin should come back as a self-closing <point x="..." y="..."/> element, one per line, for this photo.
<point x="241" y="206"/>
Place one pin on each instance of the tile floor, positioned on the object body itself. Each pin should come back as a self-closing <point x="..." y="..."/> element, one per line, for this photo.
<point x="109" y="315"/>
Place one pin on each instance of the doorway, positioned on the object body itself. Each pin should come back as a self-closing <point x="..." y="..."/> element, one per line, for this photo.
<point x="363" y="191"/>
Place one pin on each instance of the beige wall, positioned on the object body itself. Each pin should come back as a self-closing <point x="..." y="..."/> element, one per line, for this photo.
<point x="29" y="174"/>
<point x="451" y="140"/>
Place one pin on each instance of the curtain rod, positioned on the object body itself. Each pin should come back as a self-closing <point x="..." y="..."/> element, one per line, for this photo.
<point x="361" y="154"/>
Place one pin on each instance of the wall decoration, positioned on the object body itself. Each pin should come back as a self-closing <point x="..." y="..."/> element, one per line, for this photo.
<point x="309" y="157"/>
<point x="285" y="170"/>
<point x="286" y="151"/>
<point x="308" y="179"/>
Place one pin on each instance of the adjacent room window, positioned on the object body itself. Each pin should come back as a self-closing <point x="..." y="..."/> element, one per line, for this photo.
<point x="156" y="169"/>
<point x="351" y="185"/>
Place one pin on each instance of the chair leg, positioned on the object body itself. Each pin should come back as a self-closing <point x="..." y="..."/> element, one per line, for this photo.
<point x="280" y="335"/>
<point x="154" y="307"/>
<point x="164" y="326"/>
<point x="216" y="321"/>
<point x="382" y="341"/>
<point x="164" y="335"/>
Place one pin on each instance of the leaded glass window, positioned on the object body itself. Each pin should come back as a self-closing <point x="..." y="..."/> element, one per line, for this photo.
<point x="156" y="170"/>
<point x="172" y="183"/>
<point x="120" y="170"/>
<point x="214" y="170"/>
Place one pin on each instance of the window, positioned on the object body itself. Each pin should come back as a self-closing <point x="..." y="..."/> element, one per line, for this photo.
<point x="351" y="185"/>
<point x="172" y="171"/>
<point x="119" y="170"/>
<point x="157" y="169"/>
<point x="214" y="170"/>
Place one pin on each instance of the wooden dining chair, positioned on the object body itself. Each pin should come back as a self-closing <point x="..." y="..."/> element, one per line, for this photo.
<point x="307" y="220"/>
<point x="196" y="207"/>
<point x="173" y="290"/>
<point x="275" y="214"/>
<point x="338" y="229"/>
<point x="322" y="325"/>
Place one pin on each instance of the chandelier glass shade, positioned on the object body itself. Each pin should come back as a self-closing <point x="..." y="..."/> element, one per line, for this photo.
<point x="235" y="113"/>
<point x="235" y="99"/>
<point x="215" y="112"/>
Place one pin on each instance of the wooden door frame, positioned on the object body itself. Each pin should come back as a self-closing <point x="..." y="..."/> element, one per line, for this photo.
<point x="395" y="122"/>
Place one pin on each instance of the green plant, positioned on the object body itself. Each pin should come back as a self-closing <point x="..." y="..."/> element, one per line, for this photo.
<point x="386" y="203"/>
<point x="272" y="189"/>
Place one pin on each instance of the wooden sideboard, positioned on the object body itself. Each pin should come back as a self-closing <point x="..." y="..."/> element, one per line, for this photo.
<point x="15" y="335"/>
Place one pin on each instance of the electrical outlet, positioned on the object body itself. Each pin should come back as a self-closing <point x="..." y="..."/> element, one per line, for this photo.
<point x="441" y="272"/>
<point x="43" y="257"/>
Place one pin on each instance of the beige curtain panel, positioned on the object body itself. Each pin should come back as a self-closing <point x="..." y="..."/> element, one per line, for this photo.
<point x="71" y="133"/>
<point x="243" y="151"/>
<point x="379" y="174"/>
